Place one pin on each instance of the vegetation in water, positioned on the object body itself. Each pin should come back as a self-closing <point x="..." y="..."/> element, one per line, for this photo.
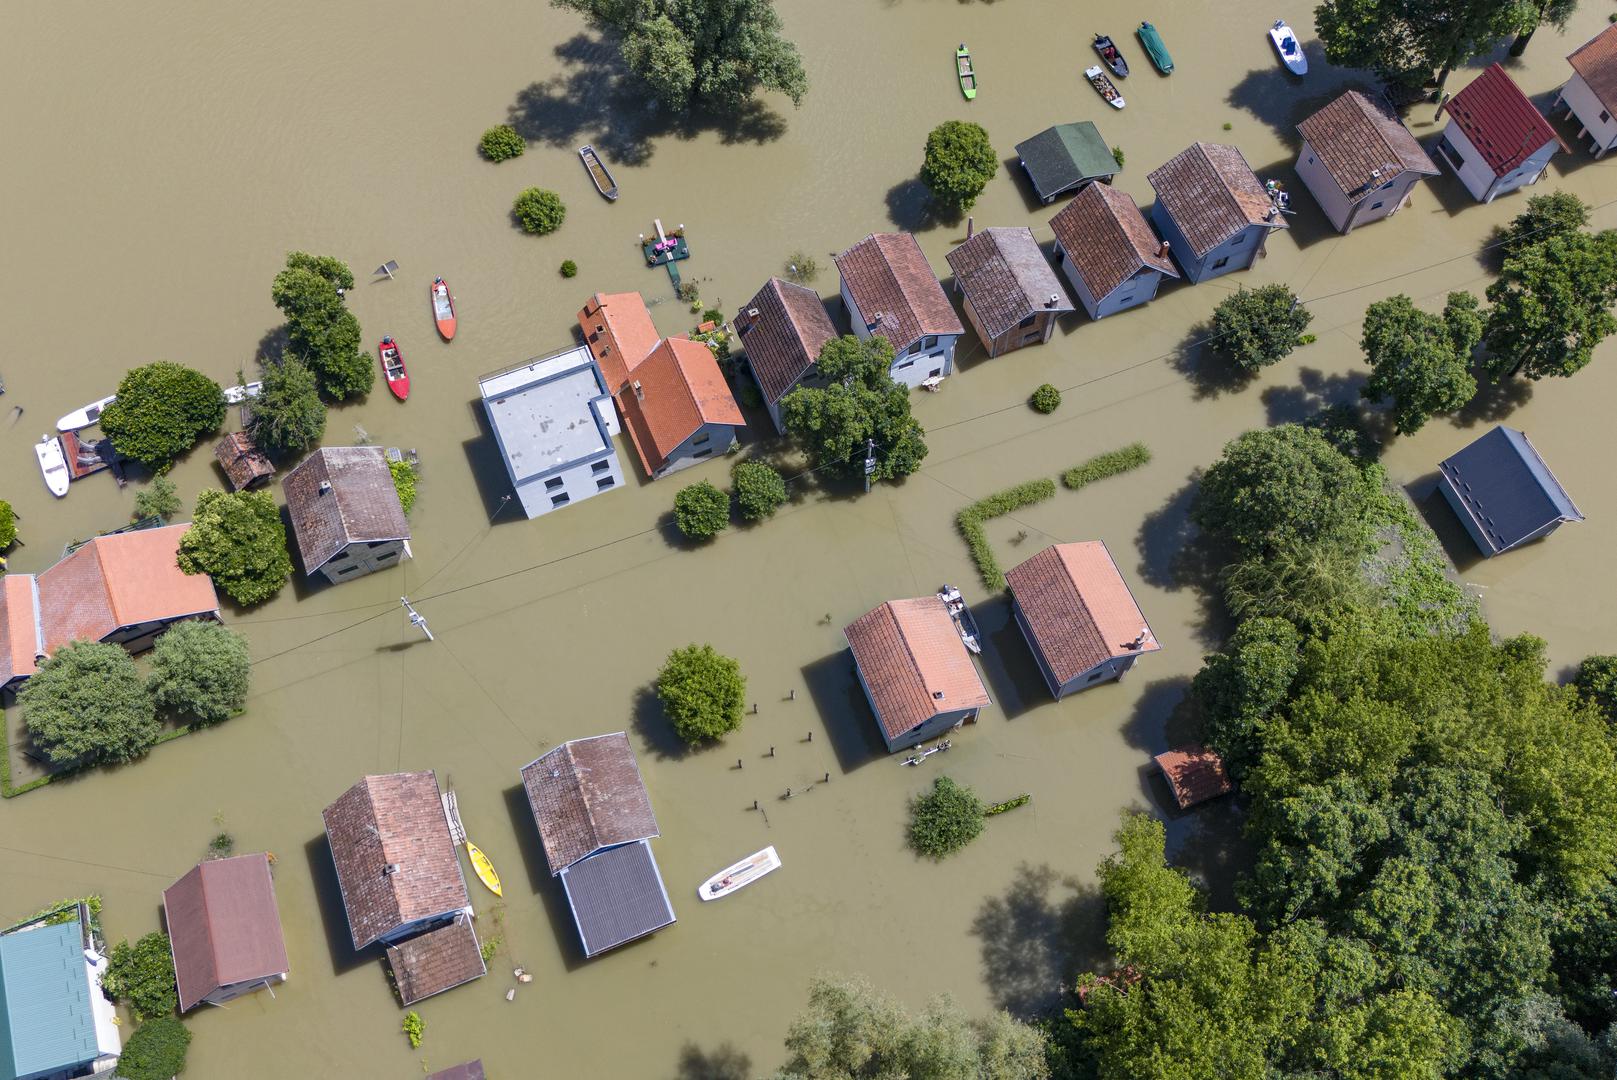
<point x="222" y="846"/>
<point x="970" y="522"/>
<point x="404" y="482"/>
<point x="161" y="411"/>
<point x="1008" y="804"/>
<point x="569" y="269"/>
<point x="703" y="692"/>
<point x="156" y="1050"/>
<point x="958" y="163"/>
<point x="142" y="975"/>
<point x="760" y="489"/>
<point x="801" y="267"/>
<point x="87" y="704"/>
<point x="1552" y="304"/>
<point x="157" y="499"/>
<point x="200" y="671"/>
<point x="1046" y="399"/>
<point x="1596" y="683"/>
<point x="701" y="510"/>
<point x="8" y="525"/>
<point x="414" y="1027"/>
<point x="1117" y="155"/>
<point x="1253" y="328"/>
<point x="945" y="819"/>
<point x="65" y="911"/>
<point x="288" y="416"/>
<point x="1419" y="361"/>
<point x="860" y="401"/>
<point x="501" y="143"/>
<point x="1417" y="43"/>
<point x="1559" y="213"/>
<point x="238" y="540"/>
<point x="1101" y="466"/>
<point x="539" y="211"/>
<point x="321" y="331"/>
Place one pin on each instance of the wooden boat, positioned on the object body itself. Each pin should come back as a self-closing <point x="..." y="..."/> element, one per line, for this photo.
<point x="740" y="875"/>
<point x="235" y="395"/>
<point x="483" y="868"/>
<point x="443" y="309"/>
<point x="83" y="418"/>
<point x="393" y="369"/>
<point x="1285" y="43"/>
<point x="1111" y="57"/>
<point x="1104" y="86"/>
<point x="964" y="622"/>
<point x="1155" y="50"/>
<point x="599" y="175"/>
<point x="52" y="464"/>
<point x="963" y="69"/>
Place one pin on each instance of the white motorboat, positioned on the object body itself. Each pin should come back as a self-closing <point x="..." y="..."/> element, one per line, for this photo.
<point x="740" y="875"/>
<point x="83" y="418"/>
<point x="1290" y="50"/>
<point x="235" y="395"/>
<point x="53" y="464"/>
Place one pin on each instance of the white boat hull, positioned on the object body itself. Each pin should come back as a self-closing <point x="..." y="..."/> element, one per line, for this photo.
<point x="1295" y="61"/>
<point x="52" y="464"/>
<point x="739" y="876"/>
<point x="235" y="395"/>
<point x="83" y="418"/>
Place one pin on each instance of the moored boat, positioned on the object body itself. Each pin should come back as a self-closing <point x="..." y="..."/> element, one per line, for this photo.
<point x="599" y="176"/>
<point x="1285" y="43"/>
<point x="83" y="418"/>
<point x="52" y="464"/>
<point x="393" y="369"/>
<point x="740" y="875"/>
<point x="483" y="868"/>
<point x="235" y="395"/>
<point x="1110" y="56"/>
<point x="443" y="309"/>
<point x="1104" y="86"/>
<point x="1155" y="49"/>
<point x="965" y="72"/>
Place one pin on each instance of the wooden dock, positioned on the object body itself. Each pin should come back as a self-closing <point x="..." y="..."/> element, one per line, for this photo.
<point x="457" y="831"/>
<point x="666" y="251"/>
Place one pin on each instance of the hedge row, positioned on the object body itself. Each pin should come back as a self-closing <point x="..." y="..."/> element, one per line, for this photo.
<point x="970" y="521"/>
<point x="1109" y="464"/>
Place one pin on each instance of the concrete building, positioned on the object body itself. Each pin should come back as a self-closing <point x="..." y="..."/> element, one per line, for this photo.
<point x="915" y="670"/>
<point x="347" y="520"/>
<point x="224" y="930"/>
<point x="1107" y="250"/>
<point x="1213" y="211"/>
<point x="889" y="289"/>
<point x="1359" y="161"/>
<point x="781" y="332"/>
<point x="677" y="408"/>
<point x="1012" y="297"/>
<point x="1504" y="492"/>
<point x="1590" y="94"/>
<point x="55" y="1022"/>
<point x="1496" y="140"/>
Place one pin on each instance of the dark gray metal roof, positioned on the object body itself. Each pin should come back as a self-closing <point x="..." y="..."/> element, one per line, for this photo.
<point x="617" y="895"/>
<point x="1507" y="488"/>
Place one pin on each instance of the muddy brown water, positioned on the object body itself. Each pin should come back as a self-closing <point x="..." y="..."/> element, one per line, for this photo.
<point x="161" y="162"/>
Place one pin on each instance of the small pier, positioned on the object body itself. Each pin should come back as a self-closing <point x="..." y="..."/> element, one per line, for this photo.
<point x="665" y="250"/>
<point x="457" y="831"/>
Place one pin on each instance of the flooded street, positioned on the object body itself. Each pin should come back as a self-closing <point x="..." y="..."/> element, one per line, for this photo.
<point x="161" y="162"/>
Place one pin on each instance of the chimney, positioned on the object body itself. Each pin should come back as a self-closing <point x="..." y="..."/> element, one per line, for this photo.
<point x="390" y="869"/>
<point x="325" y="487"/>
<point x="937" y="695"/>
<point x="639" y="391"/>
<point x="1053" y="301"/>
<point x="1162" y="249"/>
<point x="873" y="322"/>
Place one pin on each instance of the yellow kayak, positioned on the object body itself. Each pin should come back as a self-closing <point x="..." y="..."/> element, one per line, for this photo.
<point x="483" y="868"/>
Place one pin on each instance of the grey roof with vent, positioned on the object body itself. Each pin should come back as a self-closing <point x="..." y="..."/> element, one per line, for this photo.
<point x="1506" y="489"/>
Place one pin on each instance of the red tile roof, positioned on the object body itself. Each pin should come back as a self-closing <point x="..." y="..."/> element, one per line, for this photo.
<point x="914" y="663"/>
<point x="887" y="275"/>
<point x="223" y="926"/>
<point x="441" y="959"/>
<point x="1500" y="121"/>
<point x="1004" y="274"/>
<point x="1079" y="608"/>
<point x="1596" y="61"/>
<point x="587" y="794"/>
<point x="1362" y="144"/>
<point x="785" y="337"/>
<point x="1212" y="193"/>
<point x="680" y="388"/>
<point x="1108" y="239"/>
<point x="20" y="634"/>
<point x="1195" y="774"/>
<point x="618" y="329"/>
<point x="117" y="581"/>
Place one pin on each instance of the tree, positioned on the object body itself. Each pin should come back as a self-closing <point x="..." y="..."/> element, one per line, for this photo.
<point x="1241" y="686"/>
<point x="945" y="819"/>
<point x="860" y="402"/>
<point x="88" y="704"/>
<point x="8" y="525"/>
<point x="702" y="691"/>
<point x="157" y="499"/>
<point x="709" y="54"/>
<point x="1254" y="328"/>
<point x="501" y="143"/>
<point x="1535" y="13"/>
<point x="958" y="164"/>
<point x="288" y="416"/>
<point x="404" y="482"/>
<point x="1560" y="213"/>
<point x="1418" y="361"/>
<point x="200" y="670"/>
<point x="1413" y="41"/>
<point x="238" y="540"/>
<point x="701" y="510"/>
<point x="161" y="411"/>
<point x="142" y="974"/>
<point x="760" y="489"/>
<point x="1552" y="305"/>
<point x="321" y="332"/>
<point x="539" y="211"/>
<point x="1596" y="682"/>
<point x="156" y="1051"/>
<point x="1046" y="399"/>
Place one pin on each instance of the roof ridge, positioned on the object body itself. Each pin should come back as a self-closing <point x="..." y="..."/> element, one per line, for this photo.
<point x="1548" y="472"/>
<point x="915" y="663"/>
<point x="106" y="587"/>
<point x="1114" y="217"/>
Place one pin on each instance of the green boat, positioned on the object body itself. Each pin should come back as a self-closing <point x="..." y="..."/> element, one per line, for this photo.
<point x="1154" y="48"/>
<point x="968" y="77"/>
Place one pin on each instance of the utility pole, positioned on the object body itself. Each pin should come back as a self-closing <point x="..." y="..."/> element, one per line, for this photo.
<point x="870" y="462"/>
<point x="416" y="618"/>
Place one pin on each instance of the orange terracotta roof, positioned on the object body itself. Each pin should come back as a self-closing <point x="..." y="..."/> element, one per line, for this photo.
<point x="618" y="329"/>
<point x="1596" y="61"/>
<point x="20" y="642"/>
<point x="914" y="663"/>
<point x="1195" y="774"/>
<point x="674" y="391"/>
<point x="1078" y="607"/>
<point x="121" y="580"/>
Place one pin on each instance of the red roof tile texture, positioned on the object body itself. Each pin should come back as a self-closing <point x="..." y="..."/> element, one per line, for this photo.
<point x="1596" y="61"/>
<point x="117" y="581"/>
<point x="618" y="329"/>
<point x="888" y="275"/>
<point x="223" y="926"/>
<point x="1212" y="193"/>
<point x="1504" y="126"/>
<point x="1362" y="144"/>
<point x="1079" y="608"/>
<point x="20" y="642"/>
<point x="1194" y="774"/>
<point x="1108" y="239"/>
<point x="587" y="794"/>
<point x="439" y="960"/>
<point x="1005" y="275"/>
<point x="673" y="392"/>
<point x="784" y="339"/>
<point x="914" y="663"/>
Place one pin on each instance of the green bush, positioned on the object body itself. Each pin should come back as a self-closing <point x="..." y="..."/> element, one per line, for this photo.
<point x="200" y="670"/>
<point x="156" y="1051"/>
<point x="1117" y="155"/>
<point x="701" y="510"/>
<point x="801" y="267"/>
<point x="1254" y="328"/>
<point x="1596" y="682"/>
<point x="157" y="499"/>
<point x="142" y="974"/>
<point x="539" y="211"/>
<point x="970" y="522"/>
<point x="8" y="525"/>
<point x="238" y="540"/>
<point x="702" y="691"/>
<point x="760" y="490"/>
<point x="404" y="483"/>
<point x="1101" y="466"/>
<point x="161" y="411"/>
<point x="88" y="703"/>
<point x="958" y="163"/>
<point x="501" y="143"/>
<point x="569" y="268"/>
<point x="945" y="819"/>
<point x="288" y="416"/>
<point x="1046" y="399"/>
<point x="414" y="1027"/>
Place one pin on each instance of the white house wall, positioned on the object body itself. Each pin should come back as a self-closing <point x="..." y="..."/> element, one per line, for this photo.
<point x="1323" y="187"/>
<point x="578" y="482"/>
<point x="910" y="369"/>
<point x="1478" y="176"/>
<point x="697" y="449"/>
<point x="1582" y="103"/>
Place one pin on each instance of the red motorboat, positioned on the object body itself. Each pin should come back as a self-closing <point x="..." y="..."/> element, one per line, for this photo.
<point x="443" y="308"/>
<point x="393" y="369"/>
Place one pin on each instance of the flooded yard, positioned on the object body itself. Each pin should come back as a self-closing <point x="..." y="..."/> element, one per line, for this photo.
<point x="161" y="162"/>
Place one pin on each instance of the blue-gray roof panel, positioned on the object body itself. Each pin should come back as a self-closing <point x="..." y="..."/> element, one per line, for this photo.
<point x="1508" y="488"/>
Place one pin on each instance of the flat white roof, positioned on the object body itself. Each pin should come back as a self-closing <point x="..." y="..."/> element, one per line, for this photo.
<point x="542" y="413"/>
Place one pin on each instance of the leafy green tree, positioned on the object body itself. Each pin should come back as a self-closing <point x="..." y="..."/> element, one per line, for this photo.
<point x="703" y="693"/>
<point x="87" y="703"/>
<point x="1254" y="328"/>
<point x="321" y="332"/>
<point x="404" y="482"/>
<point x="958" y="164"/>
<point x="1552" y="305"/>
<point x="945" y="819"/>
<point x="539" y="211"/>
<point x="501" y="143"/>
<point x="1596" y="682"/>
<point x="329" y="267"/>
<point x="142" y="974"/>
<point x="156" y="1050"/>
<point x="1559" y="213"/>
<point x="8" y="525"/>
<point x="1419" y="361"/>
<point x="1537" y="13"/>
<point x="288" y="416"/>
<point x="1240" y="687"/>
<point x="157" y="499"/>
<point x="1046" y="399"/>
<point x="200" y="670"/>
<point x="237" y="539"/>
<point x="701" y="510"/>
<point x="860" y="401"/>
<point x="709" y="54"/>
<point x="161" y="411"/>
<point x="1413" y="41"/>
<point x="760" y="489"/>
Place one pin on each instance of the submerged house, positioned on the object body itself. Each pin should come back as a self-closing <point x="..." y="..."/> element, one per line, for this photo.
<point x="224" y="930"/>
<point x="1590" y="94"/>
<point x="595" y="822"/>
<point x="915" y="671"/>
<point x="781" y="332"/>
<point x="244" y="463"/>
<point x="1194" y="774"/>
<point x="1496" y="140"/>
<point x="1504" y="492"/>
<point x="1213" y="210"/>
<point x="1064" y="158"/>
<point x="1078" y="616"/>
<point x="677" y="407"/>
<point x="347" y="520"/>
<point x="1012" y="297"/>
<point x="1360" y="161"/>
<point x="890" y="290"/>
<point x="1107" y="250"/>
<point x="54" y="1020"/>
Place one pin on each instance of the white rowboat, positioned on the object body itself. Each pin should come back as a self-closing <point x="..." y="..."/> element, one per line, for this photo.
<point x="53" y="464"/>
<point x="235" y="395"/>
<point x="740" y="875"/>
<point x="1286" y="44"/>
<point x="83" y="418"/>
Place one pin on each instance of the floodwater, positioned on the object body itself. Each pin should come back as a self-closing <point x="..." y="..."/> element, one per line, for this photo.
<point x="160" y="161"/>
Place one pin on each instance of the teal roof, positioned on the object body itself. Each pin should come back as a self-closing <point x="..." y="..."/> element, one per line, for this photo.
<point x="46" y="1022"/>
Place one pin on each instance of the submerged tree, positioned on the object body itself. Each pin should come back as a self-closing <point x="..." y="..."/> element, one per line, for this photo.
<point x="1254" y="328"/>
<point x="1419" y="361"/>
<point x="1552" y="305"/>
<point x="945" y="819"/>
<point x="156" y="1051"/>
<point x="1559" y="213"/>
<point x="1413" y="41"/>
<point x="237" y="539"/>
<point x="861" y="402"/>
<point x="161" y="411"/>
<point x="288" y="416"/>
<point x="200" y="670"/>
<point x="702" y="691"/>
<point x="958" y="164"/>
<point x="142" y="975"/>
<point x="321" y="331"/>
<point x="87" y="703"/>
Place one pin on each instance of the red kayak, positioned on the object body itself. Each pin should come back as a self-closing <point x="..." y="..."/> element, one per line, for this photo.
<point x="443" y="308"/>
<point x="393" y="369"/>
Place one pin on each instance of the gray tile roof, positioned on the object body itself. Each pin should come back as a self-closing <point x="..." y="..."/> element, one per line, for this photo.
<point x="587" y="794"/>
<point x="438" y="960"/>
<point x="617" y="896"/>
<point x="1007" y="278"/>
<point x="1356" y="136"/>
<point x="784" y="338"/>
<point x="1108" y="240"/>
<point x="1212" y="193"/>
<point x="1064" y="156"/>
<point x="1507" y="488"/>
<point x="360" y="505"/>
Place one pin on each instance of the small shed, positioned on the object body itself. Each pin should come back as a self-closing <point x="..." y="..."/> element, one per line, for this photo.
<point x="1066" y="157"/>
<point x="1195" y="774"/>
<point x="244" y="463"/>
<point x="1504" y="492"/>
<point x="437" y="960"/>
<point x="1012" y="297"/>
<point x="224" y="930"/>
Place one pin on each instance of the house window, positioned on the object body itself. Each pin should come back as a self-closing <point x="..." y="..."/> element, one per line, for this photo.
<point x="345" y="571"/>
<point x="1222" y="263"/>
<point x="560" y="500"/>
<point x="386" y="555"/>
<point x="600" y="467"/>
<point x="1446" y="148"/>
<point x="935" y="372"/>
<point x="1027" y="322"/>
<point x="1311" y="159"/>
<point x="1094" y="676"/>
<point x="553" y="484"/>
<point x="906" y="364"/>
<point x="1377" y="205"/>
<point x="703" y="453"/>
<point x="604" y="482"/>
<point x="702" y="439"/>
<point x="1238" y="241"/>
<point x="1604" y="116"/>
<point x="915" y="348"/>
<point x="930" y="343"/>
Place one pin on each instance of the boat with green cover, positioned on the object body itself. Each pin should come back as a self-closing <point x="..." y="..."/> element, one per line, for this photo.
<point x="1151" y="41"/>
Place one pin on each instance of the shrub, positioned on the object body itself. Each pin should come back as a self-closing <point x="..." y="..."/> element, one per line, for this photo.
<point x="1596" y="682"/>
<point x="88" y="703"/>
<point x="970" y="522"/>
<point x="539" y="211"/>
<point x="201" y="670"/>
<point x="1110" y="463"/>
<point x="321" y="332"/>
<point x="1117" y="155"/>
<point x="701" y="510"/>
<point x="8" y="525"/>
<point x="501" y="143"/>
<point x="702" y="691"/>
<point x="142" y="974"/>
<point x="569" y="268"/>
<point x="237" y="539"/>
<point x="161" y="411"/>
<point x="1046" y="399"/>
<point x="404" y="483"/>
<point x="801" y="267"/>
<point x="1257" y="327"/>
<point x="288" y="416"/>
<point x="958" y="164"/>
<point x="414" y="1027"/>
<point x="945" y="819"/>
<point x="157" y="499"/>
<point x="156" y="1051"/>
<point x="760" y="490"/>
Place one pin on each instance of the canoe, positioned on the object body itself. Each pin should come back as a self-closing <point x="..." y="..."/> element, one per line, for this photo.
<point x="1111" y="57"/>
<point x="483" y="868"/>
<point x="393" y="369"/>
<point x="1155" y="50"/>
<point x="1104" y="86"/>
<point x="740" y="875"/>
<point x="52" y="464"/>
<point x="963" y="69"/>
<point x="235" y="395"/>
<point x="599" y="175"/>
<point x="443" y="309"/>
<point x="1285" y="43"/>
<point x="82" y="418"/>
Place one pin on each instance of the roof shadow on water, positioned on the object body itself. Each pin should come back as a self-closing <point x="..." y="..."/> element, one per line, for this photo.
<point x="723" y="1062"/>
<point x="488" y="470"/>
<point x="1014" y="680"/>
<point x="328" y="898"/>
<point x="547" y="888"/>
<point x="844" y="710"/>
<point x="1037" y="937"/>
<point x="1174" y="556"/>
<point x="1314" y="391"/>
<point x="1440" y="517"/>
